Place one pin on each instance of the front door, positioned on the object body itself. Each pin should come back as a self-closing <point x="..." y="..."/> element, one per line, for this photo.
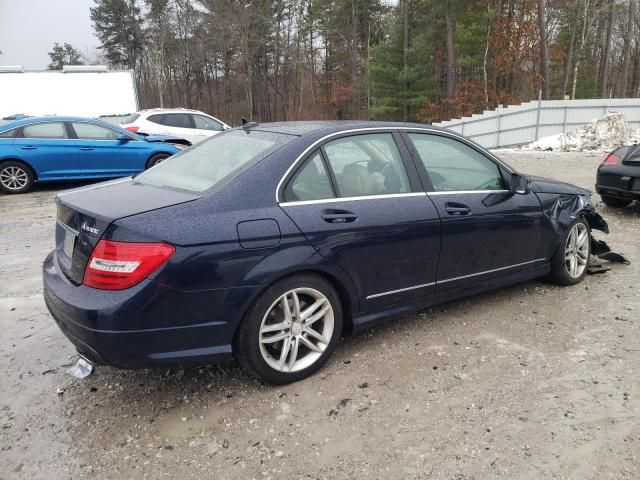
<point x="354" y="202"/>
<point x="487" y="231"/>
<point x="101" y="154"/>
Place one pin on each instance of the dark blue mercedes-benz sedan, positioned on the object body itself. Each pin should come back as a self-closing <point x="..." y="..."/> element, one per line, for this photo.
<point x="266" y="242"/>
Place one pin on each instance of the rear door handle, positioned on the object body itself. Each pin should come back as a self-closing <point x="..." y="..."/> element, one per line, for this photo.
<point x="338" y="216"/>
<point x="29" y="147"/>
<point x="86" y="148"/>
<point x="454" y="208"/>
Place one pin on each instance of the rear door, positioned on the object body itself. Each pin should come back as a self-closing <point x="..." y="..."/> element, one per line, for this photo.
<point x="487" y="231"/>
<point x="175" y="124"/>
<point x="49" y="148"/>
<point x="101" y="154"/>
<point x="360" y="205"/>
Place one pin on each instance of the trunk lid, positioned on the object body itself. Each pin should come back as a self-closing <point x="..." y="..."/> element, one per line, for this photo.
<point x="84" y="214"/>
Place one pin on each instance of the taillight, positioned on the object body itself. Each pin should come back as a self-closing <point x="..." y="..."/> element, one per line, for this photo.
<point x="120" y="265"/>
<point x="133" y="129"/>
<point x="611" y="160"/>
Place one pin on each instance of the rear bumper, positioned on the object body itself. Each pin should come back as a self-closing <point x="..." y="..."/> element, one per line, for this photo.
<point x="618" y="181"/>
<point x="145" y="326"/>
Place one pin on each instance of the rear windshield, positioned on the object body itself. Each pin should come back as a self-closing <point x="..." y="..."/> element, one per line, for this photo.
<point x="130" y="119"/>
<point x="212" y="161"/>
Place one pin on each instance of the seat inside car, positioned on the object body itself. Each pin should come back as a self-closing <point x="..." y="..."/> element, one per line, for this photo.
<point x="356" y="180"/>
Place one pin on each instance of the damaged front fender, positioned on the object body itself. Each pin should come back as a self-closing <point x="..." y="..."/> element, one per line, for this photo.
<point x="561" y="210"/>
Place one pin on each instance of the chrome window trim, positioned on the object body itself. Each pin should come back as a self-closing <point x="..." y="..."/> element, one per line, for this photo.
<point x="389" y="129"/>
<point x="453" y="192"/>
<point x="353" y="199"/>
<point x="391" y="292"/>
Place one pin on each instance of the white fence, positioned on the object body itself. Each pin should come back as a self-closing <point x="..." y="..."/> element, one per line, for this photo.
<point x="525" y="123"/>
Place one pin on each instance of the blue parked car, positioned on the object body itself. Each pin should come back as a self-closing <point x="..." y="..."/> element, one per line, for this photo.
<point x="45" y="149"/>
<point x="267" y="242"/>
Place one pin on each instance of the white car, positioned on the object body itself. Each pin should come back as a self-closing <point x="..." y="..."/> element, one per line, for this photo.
<point x="192" y="125"/>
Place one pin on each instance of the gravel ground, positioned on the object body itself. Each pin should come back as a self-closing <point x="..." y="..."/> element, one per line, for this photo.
<point x="532" y="381"/>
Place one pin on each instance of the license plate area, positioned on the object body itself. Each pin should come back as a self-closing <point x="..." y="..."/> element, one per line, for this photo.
<point x="69" y="242"/>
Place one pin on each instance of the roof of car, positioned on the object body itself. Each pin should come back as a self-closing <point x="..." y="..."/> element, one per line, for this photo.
<point x="25" y="121"/>
<point x="306" y="127"/>
<point x="168" y="110"/>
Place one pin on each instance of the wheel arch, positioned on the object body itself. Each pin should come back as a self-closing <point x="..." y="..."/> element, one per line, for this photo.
<point x="25" y="163"/>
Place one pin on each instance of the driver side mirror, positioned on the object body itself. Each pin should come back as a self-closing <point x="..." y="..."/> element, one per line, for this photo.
<point x="123" y="138"/>
<point x="519" y="184"/>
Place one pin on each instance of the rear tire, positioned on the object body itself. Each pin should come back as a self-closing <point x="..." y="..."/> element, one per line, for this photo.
<point x="615" y="202"/>
<point x="156" y="159"/>
<point x="15" y="177"/>
<point x="291" y="330"/>
<point x="570" y="262"/>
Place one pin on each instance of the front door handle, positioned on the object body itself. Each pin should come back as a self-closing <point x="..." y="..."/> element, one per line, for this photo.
<point x="339" y="216"/>
<point x="86" y="148"/>
<point x="454" y="208"/>
<point x="29" y="147"/>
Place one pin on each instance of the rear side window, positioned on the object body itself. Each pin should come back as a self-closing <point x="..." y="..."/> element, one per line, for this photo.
<point x="180" y="120"/>
<point x="90" y="131"/>
<point x="218" y="159"/>
<point x="206" y="123"/>
<point x="311" y="182"/>
<point x="453" y="165"/>
<point x="45" y="130"/>
<point x="367" y="165"/>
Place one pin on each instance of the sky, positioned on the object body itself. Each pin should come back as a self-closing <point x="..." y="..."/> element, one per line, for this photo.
<point x="29" y="28"/>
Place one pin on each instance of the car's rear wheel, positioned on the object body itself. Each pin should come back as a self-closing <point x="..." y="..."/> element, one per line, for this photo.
<point x="156" y="159"/>
<point x="570" y="262"/>
<point x="616" y="202"/>
<point x="15" y="177"/>
<point x="291" y="330"/>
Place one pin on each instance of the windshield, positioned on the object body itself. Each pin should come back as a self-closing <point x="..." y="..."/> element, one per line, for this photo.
<point x="206" y="164"/>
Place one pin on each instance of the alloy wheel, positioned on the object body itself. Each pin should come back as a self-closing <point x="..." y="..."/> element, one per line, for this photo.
<point x="13" y="177"/>
<point x="577" y="250"/>
<point x="296" y="330"/>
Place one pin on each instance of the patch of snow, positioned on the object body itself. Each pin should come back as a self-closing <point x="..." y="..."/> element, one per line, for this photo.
<point x="601" y="135"/>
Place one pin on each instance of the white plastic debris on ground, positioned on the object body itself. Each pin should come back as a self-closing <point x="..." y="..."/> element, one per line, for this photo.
<point x="603" y="134"/>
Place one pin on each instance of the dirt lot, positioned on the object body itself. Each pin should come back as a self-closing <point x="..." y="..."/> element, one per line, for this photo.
<point x="533" y="381"/>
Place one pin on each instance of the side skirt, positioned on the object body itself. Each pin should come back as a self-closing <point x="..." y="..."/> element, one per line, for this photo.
<point x="371" y="318"/>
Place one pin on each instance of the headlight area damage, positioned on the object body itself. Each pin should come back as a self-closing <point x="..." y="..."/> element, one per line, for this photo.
<point x="562" y="203"/>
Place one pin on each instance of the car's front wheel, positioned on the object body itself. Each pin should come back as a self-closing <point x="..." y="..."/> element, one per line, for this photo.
<point x="15" y="177"/>
<point x="570" y="262"/>
<point x="291" y="330"/>
<point x="616" y="202"/>
<point x="156" y="159"/>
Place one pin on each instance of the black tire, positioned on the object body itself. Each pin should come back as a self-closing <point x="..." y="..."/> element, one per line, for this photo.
<point x="615" y="202"/>
<point x="560" y="274"/>
<point x="247" y="345"/>
<point x="156" y="159"/>
<point x="16" y="177"/>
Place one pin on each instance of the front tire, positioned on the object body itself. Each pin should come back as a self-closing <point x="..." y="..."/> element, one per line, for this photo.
<point x="570" y="262"/>
<point x="615" y="202"/>
<point x="15" y="177"/>
<point x="291" y="330"/>
<point x="156" y="159"/>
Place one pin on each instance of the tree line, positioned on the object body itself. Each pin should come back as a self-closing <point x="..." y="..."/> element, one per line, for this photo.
<point x="415" y="60"/>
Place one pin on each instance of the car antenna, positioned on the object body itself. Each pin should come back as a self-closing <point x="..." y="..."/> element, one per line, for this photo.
<point x="247" y="124"/>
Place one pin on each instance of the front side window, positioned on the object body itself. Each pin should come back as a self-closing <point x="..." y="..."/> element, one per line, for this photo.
<point x="213" y="161"/>
<point x="368" y="164"/>
<point x="311" y="182"/>
<point x="453" y="165"/>
<point x="53" y="130"/>
<point x="206" y="123"/>
<point x="90" y="131"/>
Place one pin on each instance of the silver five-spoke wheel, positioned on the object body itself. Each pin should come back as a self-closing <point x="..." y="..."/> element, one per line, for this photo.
<point x="296" y="330"/>
<point x="14" y="178"/>
<point x="577" y="250"/>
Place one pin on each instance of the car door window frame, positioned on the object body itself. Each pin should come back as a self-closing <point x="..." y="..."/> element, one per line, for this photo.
<point x="415" y="185"/>
<point x="20" y="131"/>
<point x="424" y="174"/>
<point x="71" y="131"/>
